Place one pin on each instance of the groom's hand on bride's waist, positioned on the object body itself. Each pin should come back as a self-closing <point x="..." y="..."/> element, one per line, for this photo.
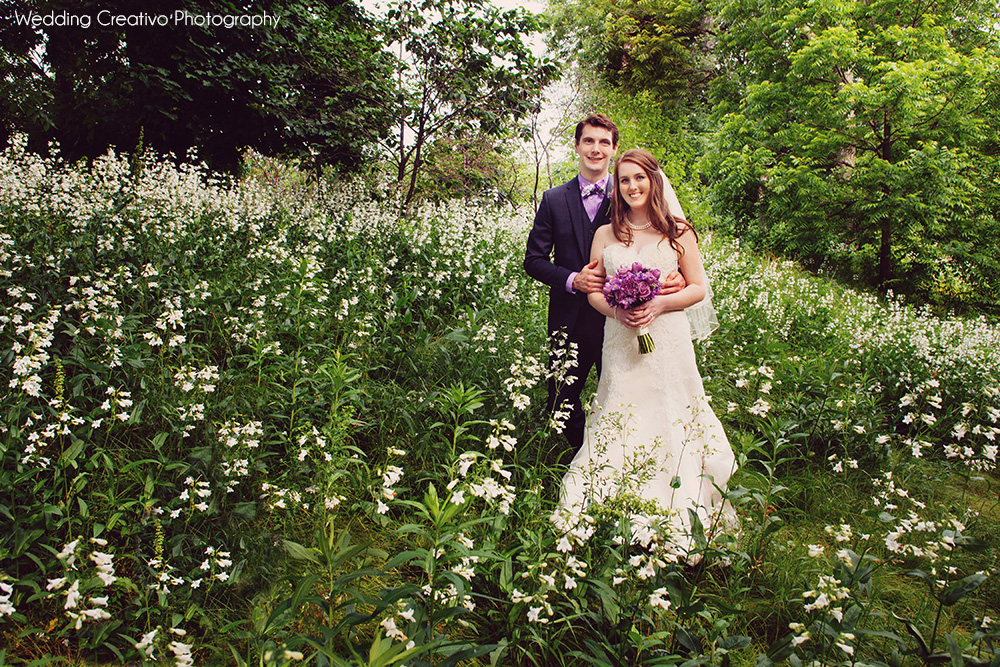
<point x="590" y="278"/>
<point x="674" y="282"/>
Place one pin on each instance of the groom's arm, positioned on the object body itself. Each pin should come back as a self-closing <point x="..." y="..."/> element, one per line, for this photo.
<point x="538" y="255"/>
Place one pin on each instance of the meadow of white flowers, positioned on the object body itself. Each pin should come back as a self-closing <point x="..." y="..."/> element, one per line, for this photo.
<point x="273" y="420"/>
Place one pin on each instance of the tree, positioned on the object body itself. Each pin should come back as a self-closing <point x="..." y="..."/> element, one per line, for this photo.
<point x="463" y="67"/>
<point x="307" y="83"/>
<point x="24" y="95"/>
<point x="550" y="135"/>
<point x="661" y="47"/>
<point x="467" y="165"/>
<point x="861" y="137"/>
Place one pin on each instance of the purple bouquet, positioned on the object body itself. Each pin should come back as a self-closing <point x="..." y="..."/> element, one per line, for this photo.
<point x="632" y="286"/>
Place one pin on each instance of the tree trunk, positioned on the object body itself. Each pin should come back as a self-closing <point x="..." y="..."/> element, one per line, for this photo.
<point x="847" y="153"/>
<point x="418" y="144"/>
<point x="885" y="254"/>
<point x="417" y="163"/>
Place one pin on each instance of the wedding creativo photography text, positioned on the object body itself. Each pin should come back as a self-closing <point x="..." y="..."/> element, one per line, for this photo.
<point x="182" y="17"/>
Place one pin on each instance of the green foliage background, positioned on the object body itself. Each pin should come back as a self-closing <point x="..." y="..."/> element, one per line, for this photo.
<point x="856" y="139"/>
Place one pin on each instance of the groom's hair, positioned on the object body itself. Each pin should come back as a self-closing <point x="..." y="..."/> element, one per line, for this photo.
<point x="598" y="120"/>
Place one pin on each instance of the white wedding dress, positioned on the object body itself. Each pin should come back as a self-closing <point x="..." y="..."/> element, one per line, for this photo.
<point x="651" y="432"/>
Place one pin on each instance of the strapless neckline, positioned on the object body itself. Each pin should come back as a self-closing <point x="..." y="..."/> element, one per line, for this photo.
<point x="660" y="256"/>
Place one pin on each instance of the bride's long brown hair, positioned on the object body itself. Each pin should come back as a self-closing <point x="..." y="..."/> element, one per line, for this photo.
<point x="659" y="215"/>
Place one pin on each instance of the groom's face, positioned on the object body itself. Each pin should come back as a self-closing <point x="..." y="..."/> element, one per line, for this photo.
<point x="595" y="149"/>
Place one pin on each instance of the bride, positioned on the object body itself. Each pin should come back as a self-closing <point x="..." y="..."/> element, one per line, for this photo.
<point x="651" y="432"/>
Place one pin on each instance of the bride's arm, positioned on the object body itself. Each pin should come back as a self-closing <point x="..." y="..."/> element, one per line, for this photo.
<point x="691" y="267"/>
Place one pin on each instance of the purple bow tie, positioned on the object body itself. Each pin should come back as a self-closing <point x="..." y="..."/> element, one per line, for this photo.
<point x="593" y="190"/>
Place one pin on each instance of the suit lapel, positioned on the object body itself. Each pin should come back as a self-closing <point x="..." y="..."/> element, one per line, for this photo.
<point x="604" y="211"/>
<point x="578" y="217"/>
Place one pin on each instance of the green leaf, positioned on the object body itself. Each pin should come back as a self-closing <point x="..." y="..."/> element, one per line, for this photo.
<point x="955" y="652"/>
<point x="915" y="633"/>
<point x="923" y="576"/>
<point x="71" y="453"/>
<point x="24" y="541"/>
<point x="158" y="440"/>
<point x="246" y="511"/>
<point x="689" y="641"/>
<point x="433" y="503"/>
<point x="299" y="552"/>
<point x="961" y="588"/>
<point x="697" y="530"/>
<point x="970" y="543"/>
<point x="734" y="643"/>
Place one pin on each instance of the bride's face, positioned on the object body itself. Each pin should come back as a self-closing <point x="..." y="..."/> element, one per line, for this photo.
<point x="633" y="183"/>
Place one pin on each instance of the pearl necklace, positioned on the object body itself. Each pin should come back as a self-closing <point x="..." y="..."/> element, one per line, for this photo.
<point x="638" y="228"/>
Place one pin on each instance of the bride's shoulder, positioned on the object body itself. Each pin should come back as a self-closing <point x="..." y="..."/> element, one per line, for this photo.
<point x="604" y="236"/>
<point x="686" y="234"/>
<point x="683" y="226"/>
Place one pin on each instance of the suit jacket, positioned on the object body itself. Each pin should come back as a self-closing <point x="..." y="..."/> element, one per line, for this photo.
<point x="559" y="244"/>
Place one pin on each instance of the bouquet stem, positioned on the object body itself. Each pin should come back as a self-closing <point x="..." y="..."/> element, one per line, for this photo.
<point x="645" y="341"/>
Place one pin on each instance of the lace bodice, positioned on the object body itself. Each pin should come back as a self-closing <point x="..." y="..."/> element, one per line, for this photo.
<point x="651" y="255"/>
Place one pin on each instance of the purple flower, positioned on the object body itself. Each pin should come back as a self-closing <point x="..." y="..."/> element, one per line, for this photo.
<point x="631" y="286"/>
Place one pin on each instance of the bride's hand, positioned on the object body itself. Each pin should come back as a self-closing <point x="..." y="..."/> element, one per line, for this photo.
<point x="643" y="315"/>
<point x="633" y="318"/>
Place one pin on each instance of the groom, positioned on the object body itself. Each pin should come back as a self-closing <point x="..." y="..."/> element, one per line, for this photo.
<point x="558" y="254"/>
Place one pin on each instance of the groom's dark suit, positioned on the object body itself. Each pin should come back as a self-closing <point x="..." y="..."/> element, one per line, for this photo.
<point x="558" y="245"/>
